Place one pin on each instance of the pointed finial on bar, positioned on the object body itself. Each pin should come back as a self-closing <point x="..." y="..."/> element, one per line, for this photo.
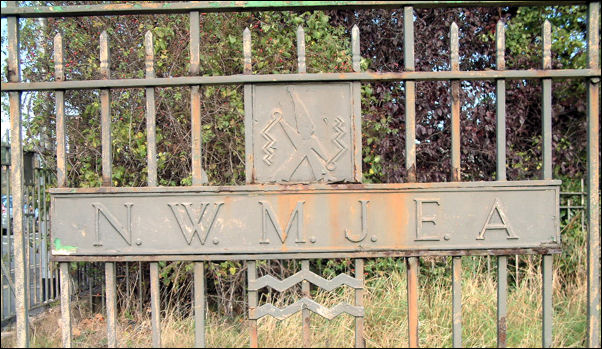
<point x="355" y="48"/>
<point x="454" y="47"/>
<point x="149" y="55"/>
<point x="59" y="72"/>
<point x="547" y="45"/>
<point x="246" y="49"/>
<point x="104" y="55"/>
<point x="500" y="46"/>
<point x="301" y="50"/>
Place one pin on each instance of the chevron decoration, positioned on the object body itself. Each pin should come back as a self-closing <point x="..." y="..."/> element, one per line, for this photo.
<point x="306" y="303"/>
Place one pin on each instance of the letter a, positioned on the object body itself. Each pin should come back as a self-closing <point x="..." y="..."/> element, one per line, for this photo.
<point x="497" y="207"/>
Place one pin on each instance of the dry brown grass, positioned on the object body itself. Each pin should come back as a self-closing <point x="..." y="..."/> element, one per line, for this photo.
<point x="386" y="319"/>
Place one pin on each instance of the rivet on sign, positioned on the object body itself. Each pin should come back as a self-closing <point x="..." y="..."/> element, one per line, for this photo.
<point x="312" y="239"/>
<point x="447" y="237"/>
<point x="215" y="241"/>
<point x="373" y="238"/>
<point x="138" y="242"/>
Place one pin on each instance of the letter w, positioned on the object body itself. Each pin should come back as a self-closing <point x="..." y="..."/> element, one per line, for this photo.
<point x="191" y="225"/>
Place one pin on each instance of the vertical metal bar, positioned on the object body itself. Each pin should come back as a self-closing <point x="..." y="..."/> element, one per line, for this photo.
<point x="516" y="264"/>
<point x="28" y="263"/>
<point x="546" y="120"/>
<point x="305" y="286"/>
<point x="455" y="104"/>
<point x="16" y="168"/>
<point x="90" y="280"/>
<point x="412" y="270"/>
<point x="593" y="177"/>
<point x="198" y="177"/>
<point x="53" y="280"/>
<point x="251" y="265"/>
<point x="457" y="301"/>
<point x="355" y="48"/>
<point x="3" y="251"/>
<point x="195" y="101"/>
<point x="102" y="293"/>
<point x="33" y="242"/>
<point x="301" y="67"/>
<point x="357" y="101"/>
<point x="500" y="102"/>
<point x="105" y="111"/>
<point x="410" y="114"/>
<point x="546" y="295"/>
<point x="38" y="221"/>
<point x="546" y="123"/>
<point x="139" y="286"/>
<point x="152" y="181"/>
<point x="456" y="176"/>
<point x="27" y="231"/>
<point x="127" y="284"/>
<point x="502" y="261"/>
<point x="56" y="290"/>
<point x="582" y="198"/>
<point x="48" y="266"/>
<point x="155" y="304"/>
<point x="199" y="304"/>
<point x="11" y="248"/>
<point x="305" y="289"/>
<point x="111" y="297"/>
<point x="65" y="304"/>
<point x="151" y="142"/>
<point x="248" y="69"/>
<point x="252" y="275"/>
<point x="502" y="294"/>
<point x="410" y="87"/>
<point x="360" y="342"/>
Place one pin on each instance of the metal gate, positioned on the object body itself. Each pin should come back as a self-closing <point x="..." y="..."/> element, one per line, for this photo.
<point x="42" y="274"/>
<point x="304" y="198"/>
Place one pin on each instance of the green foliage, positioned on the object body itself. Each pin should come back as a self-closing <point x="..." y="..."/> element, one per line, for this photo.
<point x="524" y="34"/>
<point x="273" y="49"/>
<point x="274" y="41"/>
<point x="222" y="110"/>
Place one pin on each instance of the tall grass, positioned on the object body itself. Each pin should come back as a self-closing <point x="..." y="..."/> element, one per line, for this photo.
<point x="386" y="314"/>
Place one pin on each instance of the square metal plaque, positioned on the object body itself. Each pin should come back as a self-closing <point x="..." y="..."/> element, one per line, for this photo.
<point x="303" y="133"/>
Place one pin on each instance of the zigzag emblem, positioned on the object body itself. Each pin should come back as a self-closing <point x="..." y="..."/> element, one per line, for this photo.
<point x="337" y="140"/>
<point x="268" y="148"/>
<point x="306" y="303"/>
<point x="282" y="285"/>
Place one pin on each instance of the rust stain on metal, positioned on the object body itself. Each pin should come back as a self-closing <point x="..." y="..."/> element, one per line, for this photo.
<point x="501" y="332"/>
<point x="412" y="279"/>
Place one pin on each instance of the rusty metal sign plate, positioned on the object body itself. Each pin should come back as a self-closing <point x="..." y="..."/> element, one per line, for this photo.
<point x="303" y="133"/>
<point x="276" y="219"/>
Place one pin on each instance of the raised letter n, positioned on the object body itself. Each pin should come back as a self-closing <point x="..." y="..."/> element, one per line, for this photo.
<point x="124" y="231"/>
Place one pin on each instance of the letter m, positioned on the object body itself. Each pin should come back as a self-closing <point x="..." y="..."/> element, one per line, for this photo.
<point x="268" y="218"/>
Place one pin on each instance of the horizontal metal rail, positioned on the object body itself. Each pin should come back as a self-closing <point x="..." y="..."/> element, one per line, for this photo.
<point x="288" y="78"/>
<point x="333" y="188"/>
<point x="240" y="6"/>
<point x="409" y="76"/>
<point x="312" y="255"/>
